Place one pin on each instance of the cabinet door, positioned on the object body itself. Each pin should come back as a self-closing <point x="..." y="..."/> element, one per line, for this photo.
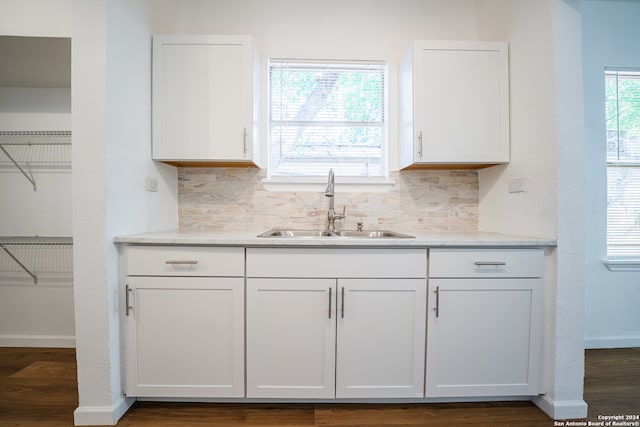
<point x="185" y="337"/>
<point x="483" y="337"/>
<point x="291" y="332"/>
<point x="461" y="102"/>
<point x="202" y="98"/>
<point x="381" y="338"/>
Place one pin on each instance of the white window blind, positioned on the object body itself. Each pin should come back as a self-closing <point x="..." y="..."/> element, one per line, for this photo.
<point x="623" y="163"/>
<point x="327" y="115"/>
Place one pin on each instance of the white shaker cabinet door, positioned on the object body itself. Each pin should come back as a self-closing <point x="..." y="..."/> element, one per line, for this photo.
<point x="483" y="337"/>
<point x="291" y="332"/>
<point x="381" y="338"/>
<point x="185" y="337"/>
<point x="454" y="104"/>
<point x="203" y="99"/>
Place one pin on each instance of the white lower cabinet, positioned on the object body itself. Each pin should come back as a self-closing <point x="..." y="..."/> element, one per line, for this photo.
<point x="381" y="330"/>
<point x="291" y="338"/>
<point x="335" y="337"/>
<point x="484" y="323"/>
<point x="325" y="323"/>
<point x="184" y="334"/>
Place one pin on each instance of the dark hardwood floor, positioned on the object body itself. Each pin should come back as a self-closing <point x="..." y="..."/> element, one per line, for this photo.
<point x="612" y="382"/>
<point x="38" y="388"/>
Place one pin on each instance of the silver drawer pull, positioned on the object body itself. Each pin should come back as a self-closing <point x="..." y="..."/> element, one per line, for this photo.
<point x="179" y="261"/>
<point x="127" y="303"/>
<point x="490" y="263"/>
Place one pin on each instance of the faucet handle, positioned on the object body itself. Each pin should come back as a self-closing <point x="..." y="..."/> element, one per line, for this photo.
<point x="342" y="215"/>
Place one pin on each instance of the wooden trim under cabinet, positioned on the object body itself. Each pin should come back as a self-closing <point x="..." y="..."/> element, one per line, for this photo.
<point x="448" y="166"/>
<point x="205" y="164"/>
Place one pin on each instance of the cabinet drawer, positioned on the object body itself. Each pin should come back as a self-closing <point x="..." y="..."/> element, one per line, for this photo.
<point x="486" y="262"/>
<point x="338" y="263"/>
<point x="184" y="261"/>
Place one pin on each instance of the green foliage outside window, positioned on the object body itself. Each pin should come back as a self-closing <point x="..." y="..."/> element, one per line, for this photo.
<point x="622" y="105"/>
<point x="326" y="116"/>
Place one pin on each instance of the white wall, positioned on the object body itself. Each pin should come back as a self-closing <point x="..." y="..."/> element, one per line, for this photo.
<point x="36" y="315"/>
<point x="544" y="39"/>
<point x="383" y="32"/>
<point x="35" y="100"/>
<point x="532" y="118"/>
<point x="24" y="212"/>
<point x="568" y="349"/>
<point x="35" y="18"/>
<point x="111" y="80"/>
<point x="610" y="34"/>
<point x="546" y="137"/>
<point x="111" y="51"/>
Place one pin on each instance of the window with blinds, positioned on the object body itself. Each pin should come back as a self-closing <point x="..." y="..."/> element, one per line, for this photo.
<point x="327" y="115"/>
<point x="622" y="92"/>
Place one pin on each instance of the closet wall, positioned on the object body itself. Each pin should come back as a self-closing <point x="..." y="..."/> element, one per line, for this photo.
<point x="35" y="311"/>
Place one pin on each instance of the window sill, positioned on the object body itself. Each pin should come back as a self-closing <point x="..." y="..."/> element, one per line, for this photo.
<point x="319" y="184"/>
<point x="622" y="264"/>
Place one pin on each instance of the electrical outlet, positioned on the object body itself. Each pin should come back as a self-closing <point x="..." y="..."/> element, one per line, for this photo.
<point x="151" y="184"/>
<point x="518" y="185"/>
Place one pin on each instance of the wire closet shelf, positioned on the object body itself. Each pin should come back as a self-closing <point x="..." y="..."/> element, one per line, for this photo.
<point x="29" y="152"/>
<point x="35" y="259"/>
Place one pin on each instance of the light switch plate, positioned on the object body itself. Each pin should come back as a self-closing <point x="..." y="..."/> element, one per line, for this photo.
<point x="151" y="184"/>
<point x="518" y="185"/>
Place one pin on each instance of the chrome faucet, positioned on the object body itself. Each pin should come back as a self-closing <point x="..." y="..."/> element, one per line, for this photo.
<point x="330" y="192"/>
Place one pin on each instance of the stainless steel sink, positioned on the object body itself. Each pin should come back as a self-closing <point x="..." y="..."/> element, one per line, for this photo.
<point x="364" y="234"/>
<point x="296" y="233"/>
<point x="372" y="234"/>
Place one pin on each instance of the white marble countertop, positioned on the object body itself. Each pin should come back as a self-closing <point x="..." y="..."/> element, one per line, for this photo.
<point x="249" y="238"/>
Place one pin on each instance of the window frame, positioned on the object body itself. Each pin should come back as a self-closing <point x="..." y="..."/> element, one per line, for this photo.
<point x="274" y="182"/>
<point x="630" y="261"/>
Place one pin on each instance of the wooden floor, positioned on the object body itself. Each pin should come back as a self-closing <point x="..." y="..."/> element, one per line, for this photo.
<point x="38" y="388"/>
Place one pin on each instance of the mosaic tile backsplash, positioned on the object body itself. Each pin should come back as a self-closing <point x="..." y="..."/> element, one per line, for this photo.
<point x="235" y="199"/>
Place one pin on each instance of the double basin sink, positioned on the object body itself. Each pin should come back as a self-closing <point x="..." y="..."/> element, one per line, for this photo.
<point x="359" y="234"/>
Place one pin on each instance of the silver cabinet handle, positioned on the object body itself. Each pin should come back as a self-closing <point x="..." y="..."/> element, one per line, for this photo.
<point x="437" y="307"/>
<point x="342" y="304"/>
<point x="126" y="300"/>
<point x="330" y="302"/>
<point x="244" y="135"/>
<point x="181" y="261"/>
<point x="420" y="144"/>
<point x="480" y="263"/>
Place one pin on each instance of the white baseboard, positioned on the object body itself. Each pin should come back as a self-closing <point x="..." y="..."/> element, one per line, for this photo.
<point x="58" y="341"/>
<point x="102" y="415"/>
<point x="561" y="410"/>
<point x="613" y="342"/>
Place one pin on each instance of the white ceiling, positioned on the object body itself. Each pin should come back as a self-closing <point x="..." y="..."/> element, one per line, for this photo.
<point x="35" y="62"/>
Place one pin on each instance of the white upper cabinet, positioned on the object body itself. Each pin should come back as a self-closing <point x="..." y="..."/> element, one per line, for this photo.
<point x="454" y="104"/>
<point x="205" y="106"/>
